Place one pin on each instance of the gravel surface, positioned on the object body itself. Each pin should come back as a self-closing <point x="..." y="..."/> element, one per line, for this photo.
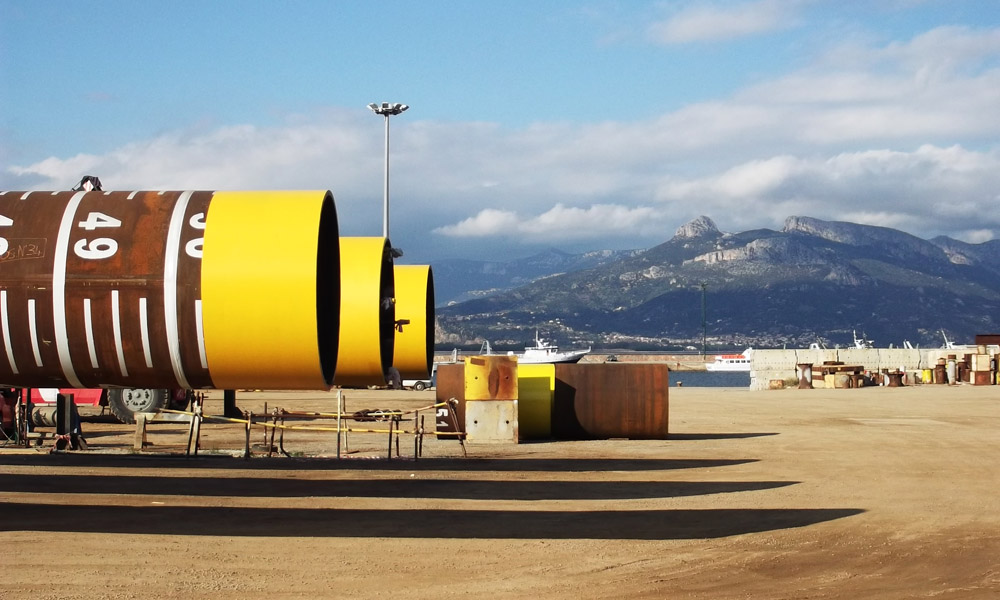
<point x="868" y="493"/>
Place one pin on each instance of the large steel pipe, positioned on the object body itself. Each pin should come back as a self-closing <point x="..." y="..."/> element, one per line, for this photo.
<point x="169" y="289"/>
<point x="367" y="311"/>
<point x="414" y="351"/>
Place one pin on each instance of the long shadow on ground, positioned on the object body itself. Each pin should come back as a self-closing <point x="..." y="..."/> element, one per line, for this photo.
<point x="454" y="524"/>
<point x="568" y="465"/>
<point x="260" y="487"/>
<point x="717" y="436"/>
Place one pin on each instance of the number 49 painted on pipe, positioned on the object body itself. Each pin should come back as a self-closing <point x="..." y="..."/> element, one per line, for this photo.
<point x="97" y="248"/>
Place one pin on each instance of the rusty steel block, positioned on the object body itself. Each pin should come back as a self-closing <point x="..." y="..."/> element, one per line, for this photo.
<point x="450" y="384"/>
<point x="982" y="378"/>
<point x="611" y="400"/>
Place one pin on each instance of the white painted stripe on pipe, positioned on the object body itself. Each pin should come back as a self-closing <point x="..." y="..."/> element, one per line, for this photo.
<point x="6" y="332"/>
<point x="59" y="289"/>
<point x="170" y="313"/>
<point x="33" y="332"/>
<point x="144" y="332"/>
<point x="88" y="326"/>
<point x="116" y="328"/>
<point x="201" y="334"/>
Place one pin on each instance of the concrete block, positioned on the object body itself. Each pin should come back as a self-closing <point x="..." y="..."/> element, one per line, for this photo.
<point x="816" y="357"/>
<point x="491" y="421"/>
<point x="767" y="360"/>
<point x="929" y="358"/>
<point x="760" y="380"/>
<point x="980" y="362"/>
<point x="903" y="359"/>
<point x="865" y="357"/>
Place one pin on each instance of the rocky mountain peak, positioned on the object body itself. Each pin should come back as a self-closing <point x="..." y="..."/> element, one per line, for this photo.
<point x="697" y="228"/>
<point x="890" y="241"/>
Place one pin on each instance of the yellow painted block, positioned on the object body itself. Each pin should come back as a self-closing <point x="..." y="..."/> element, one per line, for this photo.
<point x="536" y="385"/>
<point x="490" y="378"/>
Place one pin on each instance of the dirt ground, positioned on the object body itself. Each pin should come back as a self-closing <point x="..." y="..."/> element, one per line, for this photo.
<point x="868" y="493"/>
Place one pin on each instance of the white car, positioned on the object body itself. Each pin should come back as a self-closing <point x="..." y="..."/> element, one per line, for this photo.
<point x="422" y="384"/>
<point x="416" y="384"/>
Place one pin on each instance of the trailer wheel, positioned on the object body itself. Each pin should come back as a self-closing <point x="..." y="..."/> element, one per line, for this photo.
<point x="180" y="399"/>
<point x="126" y="402"/>
<point x="420" y="386"/>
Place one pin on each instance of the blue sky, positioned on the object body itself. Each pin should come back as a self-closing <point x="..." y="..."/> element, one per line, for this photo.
<point x="577" y="125"/>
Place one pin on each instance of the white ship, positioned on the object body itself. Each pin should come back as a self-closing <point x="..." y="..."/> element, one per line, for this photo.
<point x="543" y="352"/>
<point x="731" y="362"/>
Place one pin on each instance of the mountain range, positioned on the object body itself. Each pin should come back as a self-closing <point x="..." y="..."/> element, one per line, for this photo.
<point x="812" y="281"/>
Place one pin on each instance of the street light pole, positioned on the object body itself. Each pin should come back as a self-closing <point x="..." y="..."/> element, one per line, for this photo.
<point x="704" y="326"/>
<point x="387" y="110"/>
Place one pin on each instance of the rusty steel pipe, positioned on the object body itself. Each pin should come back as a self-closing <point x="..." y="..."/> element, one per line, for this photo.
<point x="193" y="289"/>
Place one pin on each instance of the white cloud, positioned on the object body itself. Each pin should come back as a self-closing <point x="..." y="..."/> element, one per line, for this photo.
<point x="560" y="223"/>
<point x="903" y="134"/>
<point x="702" y="22"/>
<point x="925" y="191"/>
<point x="488" y="222"/>
<point x="236" y="157"/>
<point x="977" y="236"/>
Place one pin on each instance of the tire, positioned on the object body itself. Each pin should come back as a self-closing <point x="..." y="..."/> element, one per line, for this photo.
<point x="126" y="402"/>
<point x="420" y="386"/>
<point x="180" y="399"/>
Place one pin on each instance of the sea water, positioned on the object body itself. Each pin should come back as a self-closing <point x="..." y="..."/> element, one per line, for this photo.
<point x="710" y="378"/>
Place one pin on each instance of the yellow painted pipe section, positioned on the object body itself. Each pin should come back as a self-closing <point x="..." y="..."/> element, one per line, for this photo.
<point x="414" y="351"/>
<point x="263" y="288"/>
<point x="367" y="311"/>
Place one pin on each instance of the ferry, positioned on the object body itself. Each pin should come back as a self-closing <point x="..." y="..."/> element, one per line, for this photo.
<point x="731" y="362"/>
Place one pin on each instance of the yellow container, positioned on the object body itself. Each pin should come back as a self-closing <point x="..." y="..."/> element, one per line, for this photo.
<point x="536" y="385"/>
<point x="926" y="376"/>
